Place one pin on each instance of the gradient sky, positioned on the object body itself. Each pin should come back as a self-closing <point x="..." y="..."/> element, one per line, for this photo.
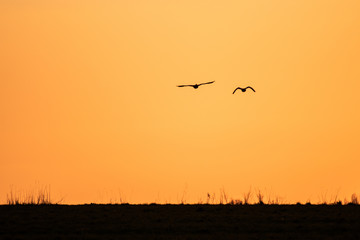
<point x="89" y="103"/>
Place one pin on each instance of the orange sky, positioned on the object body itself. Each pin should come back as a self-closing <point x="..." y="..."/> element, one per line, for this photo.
<point x="89" y="103"/>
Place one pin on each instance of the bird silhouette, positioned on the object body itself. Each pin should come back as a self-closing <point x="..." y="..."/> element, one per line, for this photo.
<point x="195" y="86"/>
<point x="243" y="89"/>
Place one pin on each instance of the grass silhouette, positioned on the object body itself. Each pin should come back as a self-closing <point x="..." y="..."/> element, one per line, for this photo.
<point x="41" y="195"/>
<point x="257" y="215"/>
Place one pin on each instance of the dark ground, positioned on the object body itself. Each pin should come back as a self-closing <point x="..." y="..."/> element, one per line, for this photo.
<point x="180" y="222"/>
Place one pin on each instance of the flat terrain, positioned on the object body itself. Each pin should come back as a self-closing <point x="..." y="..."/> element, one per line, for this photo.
<point x="180" y="222"/>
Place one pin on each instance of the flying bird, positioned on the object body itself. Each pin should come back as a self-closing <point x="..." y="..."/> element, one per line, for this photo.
<point x="195" y="86"/>
<point x="243" y="89"/>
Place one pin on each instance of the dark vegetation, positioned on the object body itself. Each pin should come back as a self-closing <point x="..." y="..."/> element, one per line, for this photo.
<point x="205" y="221"/>
<point x="34" y="215"/>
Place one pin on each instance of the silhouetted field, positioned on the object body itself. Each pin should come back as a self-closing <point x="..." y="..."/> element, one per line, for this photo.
<point x="179" y="221"/>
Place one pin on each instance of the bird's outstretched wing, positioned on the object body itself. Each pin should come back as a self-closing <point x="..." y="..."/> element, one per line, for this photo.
<point x="236" y="89"/>
<point x="250" y="88"/>
<point x="185" y="85"/>
<point x="206" y="83"/>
